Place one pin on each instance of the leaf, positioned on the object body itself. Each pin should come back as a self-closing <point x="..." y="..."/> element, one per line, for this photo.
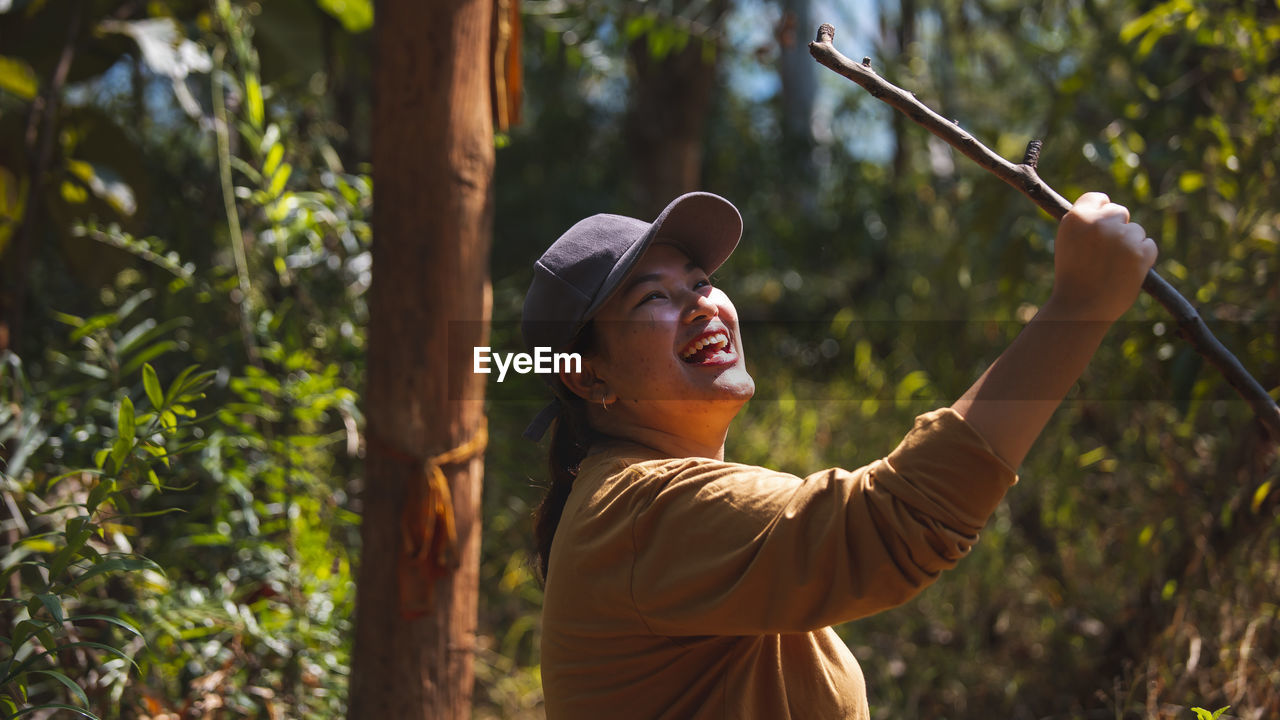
<point x="53" y="604"/>
<point x="100" y="491"/>
<point x="151" y="384"/>
<point x="116" y="564"/>
<point x="74" y="688"/>
<point x="106" y="184"/>
<point x="18" y="78"/>
<point x="77" y="534"/>
<point x="54" y="706"/>
<point x="1137" y="26"/>
<point x="1189" y="182"/>
<point x="24" y="631"/>
<point x="274" y="156"/>
<point x="356" y="16"/>
<point x="246" y="169"/>
<point x="101" y="646"/>
<point x="125" y="420"/>
<point x="1093" y="456"/>
<point x="94" y="323"/>
<point x="149" y="354"/>
<point x="178" y="386"/>
<point x="157" y="452"/>
<point x="13" y="203"/>
<point x="134" y="302"/>
<point x="108" y="619"/>
<point x="637" y="26"/>
<point x="152" y="332"/>
<point x="166" y="511"/>
<point x="253" y="99"/>
<point x="119" y="452"/>
<point x="183" y="410"/>
<point x="913" y="383"/>
<point x="1260" y="495"/>
<point x="93" y="371"/>
<point x="279" y="179"/>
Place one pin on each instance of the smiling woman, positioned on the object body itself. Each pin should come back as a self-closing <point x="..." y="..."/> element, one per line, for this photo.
<point x="679" y="585"/>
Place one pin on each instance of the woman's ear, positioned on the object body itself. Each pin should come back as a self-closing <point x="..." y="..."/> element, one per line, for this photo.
<point x="587" y="384"/>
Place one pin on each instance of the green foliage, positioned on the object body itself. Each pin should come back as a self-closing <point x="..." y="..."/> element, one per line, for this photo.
<point x="244" y="512"/>
<point x="356" y="15"/>
<point x="1202" y="714"/>
<point x="66" y="553"/>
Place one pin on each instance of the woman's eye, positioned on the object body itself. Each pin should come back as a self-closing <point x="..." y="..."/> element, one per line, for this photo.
<point x="651" y="296"/>
<point x="702" y="283"/>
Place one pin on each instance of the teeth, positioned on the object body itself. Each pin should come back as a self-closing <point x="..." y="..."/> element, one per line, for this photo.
<point x="713" y="339"/>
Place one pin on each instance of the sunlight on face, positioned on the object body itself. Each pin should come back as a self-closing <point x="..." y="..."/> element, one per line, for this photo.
<point x="669" y="343"/>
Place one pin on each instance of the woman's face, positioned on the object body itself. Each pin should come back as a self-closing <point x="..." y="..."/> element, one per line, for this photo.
<point x="669" y="348"/>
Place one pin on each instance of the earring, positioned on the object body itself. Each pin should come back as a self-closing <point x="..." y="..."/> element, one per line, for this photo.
<point x="604" y="404"/>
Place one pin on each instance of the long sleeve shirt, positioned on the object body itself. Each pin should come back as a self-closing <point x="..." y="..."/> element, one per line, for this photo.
<point x="697" y="588"/>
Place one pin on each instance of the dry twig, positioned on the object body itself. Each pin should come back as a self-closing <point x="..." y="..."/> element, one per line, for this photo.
<point x="1023" y="176"/>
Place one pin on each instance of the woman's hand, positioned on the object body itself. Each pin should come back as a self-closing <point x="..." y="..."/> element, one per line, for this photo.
<point x="1100" y="260"/>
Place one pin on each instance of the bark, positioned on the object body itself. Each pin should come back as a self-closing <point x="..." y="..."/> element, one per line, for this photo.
<point x="429" y="305"/>
<point x="667" y="119"/>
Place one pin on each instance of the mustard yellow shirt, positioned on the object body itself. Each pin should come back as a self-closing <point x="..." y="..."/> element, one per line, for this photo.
<point x="696" y="588"/>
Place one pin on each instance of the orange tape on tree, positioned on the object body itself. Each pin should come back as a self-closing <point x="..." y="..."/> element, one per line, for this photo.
<point x="428" y="530"/>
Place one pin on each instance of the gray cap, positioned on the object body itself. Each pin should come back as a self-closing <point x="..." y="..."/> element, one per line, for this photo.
<point x="583" y="269"/>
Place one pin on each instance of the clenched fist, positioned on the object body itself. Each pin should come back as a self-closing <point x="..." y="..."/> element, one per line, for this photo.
<point x="1100" y="259"/>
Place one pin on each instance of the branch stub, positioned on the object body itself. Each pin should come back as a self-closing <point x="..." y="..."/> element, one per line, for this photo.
<point x="1032" y="157"/>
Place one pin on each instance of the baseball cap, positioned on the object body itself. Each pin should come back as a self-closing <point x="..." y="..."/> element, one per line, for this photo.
<point x="588" y="263"/>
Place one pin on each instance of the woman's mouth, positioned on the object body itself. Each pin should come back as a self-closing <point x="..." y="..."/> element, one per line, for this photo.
<point x="710" y="348"/>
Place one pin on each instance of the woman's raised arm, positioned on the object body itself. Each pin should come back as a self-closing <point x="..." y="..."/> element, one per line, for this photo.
<point x="1100" y="260"/>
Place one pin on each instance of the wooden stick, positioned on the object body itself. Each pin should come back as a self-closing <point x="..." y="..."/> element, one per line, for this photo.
<point x="1023" y="176"/>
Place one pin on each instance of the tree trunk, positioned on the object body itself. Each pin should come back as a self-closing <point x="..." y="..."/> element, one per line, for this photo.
<point x="429" y="305"/>
<point x="906" y="35"/>
<point x="798" y="75"/>
<point x="667" y="118"/>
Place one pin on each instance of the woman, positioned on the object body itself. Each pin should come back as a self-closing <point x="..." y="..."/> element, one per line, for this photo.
<point x="679" y="585"/>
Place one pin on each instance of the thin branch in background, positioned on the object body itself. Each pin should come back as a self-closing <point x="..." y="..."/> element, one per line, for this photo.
<point x="220" y="129"/>
<point x="1023" y="176"/>
<point x="39" y="138"/>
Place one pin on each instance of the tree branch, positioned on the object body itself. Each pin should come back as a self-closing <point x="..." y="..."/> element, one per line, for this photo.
<point x="1023" y="176"/>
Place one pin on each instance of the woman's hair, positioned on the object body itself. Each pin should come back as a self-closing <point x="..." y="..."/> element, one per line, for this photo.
<point x="571" y="436"/>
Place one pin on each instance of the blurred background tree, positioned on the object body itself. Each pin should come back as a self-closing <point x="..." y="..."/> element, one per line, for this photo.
<point x="187" y="183"/>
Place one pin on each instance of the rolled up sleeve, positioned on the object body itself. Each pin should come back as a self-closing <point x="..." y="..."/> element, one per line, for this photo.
<point x="726" y="549"/>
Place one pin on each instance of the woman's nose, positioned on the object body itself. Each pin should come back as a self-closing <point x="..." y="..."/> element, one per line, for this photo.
<point x="700" y="308"/>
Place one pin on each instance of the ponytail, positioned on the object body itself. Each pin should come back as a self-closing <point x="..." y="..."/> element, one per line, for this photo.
<point x="570" y="440"/>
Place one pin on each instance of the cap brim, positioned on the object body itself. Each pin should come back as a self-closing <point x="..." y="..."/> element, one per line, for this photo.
<point x="706" y="226"/>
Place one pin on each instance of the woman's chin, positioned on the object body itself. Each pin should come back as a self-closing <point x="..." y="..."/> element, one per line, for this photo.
<point x="736" y="384"/>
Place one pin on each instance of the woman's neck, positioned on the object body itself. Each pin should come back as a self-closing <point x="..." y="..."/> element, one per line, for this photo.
<point x="690" y="437"/>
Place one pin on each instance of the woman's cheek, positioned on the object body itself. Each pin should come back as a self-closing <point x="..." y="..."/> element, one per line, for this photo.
<point x="722" y="301"/>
